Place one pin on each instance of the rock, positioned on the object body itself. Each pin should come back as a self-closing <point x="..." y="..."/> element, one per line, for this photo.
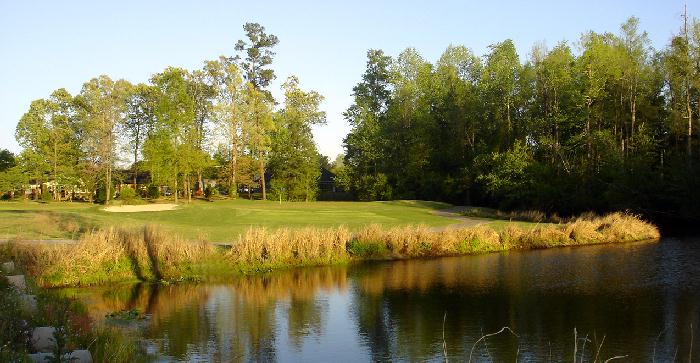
<point x="76" y="356"/>
<point x="40" y="357"/>
<point x="43" y="340"/>
<point x="8" y="267"/>
<point x="28" y="303"/>
<point x="80" y="356"/>
<point x="18" y="282"/>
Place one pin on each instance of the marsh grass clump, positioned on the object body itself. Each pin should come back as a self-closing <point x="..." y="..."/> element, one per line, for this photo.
<point x="261" y="247"/>
<point x="420" y="241"/>
<point x="113" y="255"/>
<point x="148" y="254"/>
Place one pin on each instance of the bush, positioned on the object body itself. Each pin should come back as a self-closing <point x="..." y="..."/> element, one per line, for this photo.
<point x="101" y="195"/>
<point x="210" y="192"/>
<point x="46" y="195"/>
<point x="127" y="195"/>
<point x="153" y="192"/>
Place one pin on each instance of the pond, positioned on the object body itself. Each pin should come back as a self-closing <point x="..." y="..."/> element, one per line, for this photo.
<point x="635" y="300"/>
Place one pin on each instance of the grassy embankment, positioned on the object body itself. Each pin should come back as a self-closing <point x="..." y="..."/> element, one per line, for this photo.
<point x="149" y="254"/>
<point x="220" y="221"/>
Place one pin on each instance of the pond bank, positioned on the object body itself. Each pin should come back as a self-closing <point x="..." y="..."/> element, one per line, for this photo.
<point x="629" y="292"/>
<point x="38" y="325"/>
<point x="146" y="254"/>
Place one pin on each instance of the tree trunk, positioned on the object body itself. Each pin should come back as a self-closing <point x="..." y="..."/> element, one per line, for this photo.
<point x="233" y="188"/>
<point x="136" y="170"/>
<point x="200" y="183"/>
<point x="690" y="124"/>
<point x="55" y="169"/>
<point x="108" y="183"/>
<point x="175" y="191"/>
<point x="634" y="115"/>
<point x="262" y="175"/>
<point x="189" y="189"/>
<point x="588" y="129"/>
<point x="510" y="128"/>
<point x="185" y="188"/>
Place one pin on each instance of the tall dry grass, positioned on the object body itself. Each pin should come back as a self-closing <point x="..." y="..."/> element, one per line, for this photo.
<point x="112" y="255"/>
<point x="290" y="247"/>
<point x="404" y="242"/>
<point x="151" y="255"/>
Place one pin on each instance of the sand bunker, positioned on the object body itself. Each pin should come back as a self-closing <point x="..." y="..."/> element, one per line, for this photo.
<point x="140" y="208"/>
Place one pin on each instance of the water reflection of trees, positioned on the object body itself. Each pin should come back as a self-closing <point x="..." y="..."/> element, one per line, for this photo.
<point x="542" y="295"/>
<point x="234" y="321"/>
<point x="398" y="308"/>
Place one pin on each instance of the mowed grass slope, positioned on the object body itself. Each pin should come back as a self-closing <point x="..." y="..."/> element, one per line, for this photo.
<point x="219" y="221"/>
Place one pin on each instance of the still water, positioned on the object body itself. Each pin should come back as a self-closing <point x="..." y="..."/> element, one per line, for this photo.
<point x="636" y="300"/>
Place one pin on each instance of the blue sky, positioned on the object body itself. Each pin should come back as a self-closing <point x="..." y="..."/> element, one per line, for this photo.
<point x="45" y="45"/>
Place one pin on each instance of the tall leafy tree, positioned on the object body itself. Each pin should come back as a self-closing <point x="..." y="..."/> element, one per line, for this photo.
<point x="202" y="89"/>
<point x="140" y="104"/>
<point x="171" y="149"/>
<point x="681" y="73"/>
<point x="48" y="134"/>
<point x="103" y="110"/>
<point x="364" y="157"/>
<point x="258" y="55"/>
<point x="256" y="129"/>
<point x="228" y="113"/>
<point x="7" y="160"/>
<point x="294" y="163"/>
<point x="499" y="84"/>
<point x="11" y="176"/>
<point x="635" y="46"/>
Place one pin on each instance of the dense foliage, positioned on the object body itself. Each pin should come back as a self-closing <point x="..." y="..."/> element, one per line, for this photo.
<point x="218" y="122"/>
<point x="609" y="124"/>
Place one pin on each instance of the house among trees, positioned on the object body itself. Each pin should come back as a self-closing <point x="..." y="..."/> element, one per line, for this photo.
<point x="34" y="189"/>
<point x="326" y="183"/>
<point x="139" y="180"/>
<point x="328" y="189"/>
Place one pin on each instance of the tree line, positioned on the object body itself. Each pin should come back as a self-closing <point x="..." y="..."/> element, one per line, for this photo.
<point x="608" y="123"/>
<point x="218" y="121"/>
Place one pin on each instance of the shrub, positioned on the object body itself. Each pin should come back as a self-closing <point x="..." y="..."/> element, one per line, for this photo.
<point x="210" y="192"/>
<point x="153" y="191"/>
<point x="127" y="195"/>
<point x="46" y="195"/>
<point x="101" y="195"/>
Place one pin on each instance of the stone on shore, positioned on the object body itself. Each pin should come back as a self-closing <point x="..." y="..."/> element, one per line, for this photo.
<point x="8" y="267"/>
<point x="43" y="340"/>
<point x="76" y="356"/>
<point x="18" y="282"/>
<point x="28" y="303"/>
<point x="40" y="357"/>
<point x="80" y="356"/>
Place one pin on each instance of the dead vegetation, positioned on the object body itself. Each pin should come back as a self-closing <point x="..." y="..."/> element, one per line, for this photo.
<point x="150" y="255"/>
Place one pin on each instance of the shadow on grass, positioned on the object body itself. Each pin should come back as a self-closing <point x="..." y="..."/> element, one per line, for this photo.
<point x="148" y="239"/>
<point x="418" y="204"/>
<point x="69" y="224"/>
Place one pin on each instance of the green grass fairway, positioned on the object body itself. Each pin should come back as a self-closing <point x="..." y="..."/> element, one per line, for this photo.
<point x="219" y="221"/>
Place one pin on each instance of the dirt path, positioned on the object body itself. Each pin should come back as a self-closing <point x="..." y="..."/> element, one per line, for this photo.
<point x="39" y="241"/>
<point x="453" y="213"/>
<point x="140" y="208"/>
